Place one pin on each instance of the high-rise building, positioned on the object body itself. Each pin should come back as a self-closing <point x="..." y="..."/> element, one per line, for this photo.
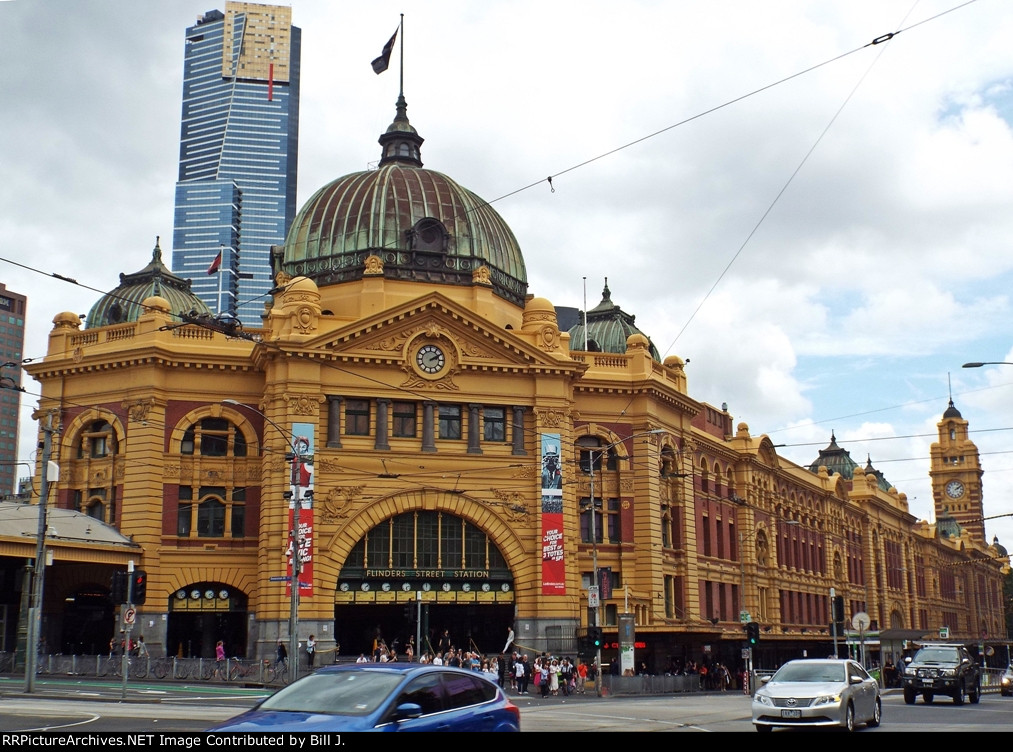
<point x="12" y="346"/>
<point x="238" y="154"/>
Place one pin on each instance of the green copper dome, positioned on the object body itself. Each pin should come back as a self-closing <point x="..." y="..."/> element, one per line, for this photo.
<point x="124" y="304"/>
<point x="420" y="223"/>
<point x="837" y="460"/>
<point x="608" y="328"/>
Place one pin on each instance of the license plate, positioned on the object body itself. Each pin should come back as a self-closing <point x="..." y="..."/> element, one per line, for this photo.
<point x="791" y="713"/>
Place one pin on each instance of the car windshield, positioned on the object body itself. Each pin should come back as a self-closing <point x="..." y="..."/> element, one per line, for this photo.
<point x="937" y="655"/>
<point x="810" y="672"/>
<point x="339" y="693"/>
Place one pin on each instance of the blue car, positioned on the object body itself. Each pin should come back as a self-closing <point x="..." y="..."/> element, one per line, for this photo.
<point x="383" y="697"/>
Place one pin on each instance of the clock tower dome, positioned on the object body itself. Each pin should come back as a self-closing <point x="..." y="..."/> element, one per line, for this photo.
<point x="956" y="475"/>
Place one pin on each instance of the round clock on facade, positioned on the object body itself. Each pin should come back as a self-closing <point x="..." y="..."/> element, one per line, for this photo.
<point x="426" y="586"/>
<point x="430" y="358"/>
<point x="466" y="587"/>
<point x="180" y="594"/>
<point x="485" y="587"/>
<point x="365" y="587"/>
<point x="954" y="489"/>
<point x="209" y="594"/>
<point x="406" y="586"/>
<point x="223" y="594"/>
<point x="344" y="587"/>
<point x="385" y="587"/>
<point x="446" y="587"/>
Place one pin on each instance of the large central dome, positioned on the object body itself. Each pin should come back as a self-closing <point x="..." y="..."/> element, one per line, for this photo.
<point x="421" y="224"/>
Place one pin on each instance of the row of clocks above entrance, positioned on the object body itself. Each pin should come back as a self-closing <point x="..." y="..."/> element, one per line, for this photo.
<point x="425" y="587"/>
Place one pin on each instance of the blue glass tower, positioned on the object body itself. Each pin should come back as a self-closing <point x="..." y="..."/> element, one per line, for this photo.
<point x="238" y="154"/>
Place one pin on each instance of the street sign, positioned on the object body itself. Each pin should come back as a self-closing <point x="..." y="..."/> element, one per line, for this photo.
<point x="944" y="633"/>
<point x="281" y="578"/>
<point x="129" y="616"/>
<point x="592" y="597"/>
<point x="744" y="617"/>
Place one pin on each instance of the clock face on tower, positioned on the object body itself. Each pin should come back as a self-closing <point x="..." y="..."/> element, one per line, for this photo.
<point x="954" y="489"/>
<point x="430" y="359"/>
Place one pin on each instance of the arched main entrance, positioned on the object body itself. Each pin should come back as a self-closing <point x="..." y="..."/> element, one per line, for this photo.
<point x="419" y="573"/>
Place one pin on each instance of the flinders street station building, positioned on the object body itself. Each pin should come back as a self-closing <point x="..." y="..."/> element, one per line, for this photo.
<point x="448" y="445"/>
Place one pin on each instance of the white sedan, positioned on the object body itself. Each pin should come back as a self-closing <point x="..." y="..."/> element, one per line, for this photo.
<point x="817" y="692"/>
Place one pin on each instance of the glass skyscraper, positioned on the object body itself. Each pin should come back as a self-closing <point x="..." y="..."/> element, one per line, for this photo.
<point x="238" y="154"/>
<point x="12" y="347"/>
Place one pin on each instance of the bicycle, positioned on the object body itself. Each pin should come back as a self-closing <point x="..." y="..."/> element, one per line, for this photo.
<point x="278" y="672"/>
<point x="237" y="671"/>
<point x="161" y="667"/>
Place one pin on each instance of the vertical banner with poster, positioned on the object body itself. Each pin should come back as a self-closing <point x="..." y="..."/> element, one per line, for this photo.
<point x="553" y="566"/>
<point x="303" y="435"/>
<point x="627" y="640"/>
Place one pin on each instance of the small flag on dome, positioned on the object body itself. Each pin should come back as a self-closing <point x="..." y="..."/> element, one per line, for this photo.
<point x="215" y="264"/>
<point x="381" y="63"/>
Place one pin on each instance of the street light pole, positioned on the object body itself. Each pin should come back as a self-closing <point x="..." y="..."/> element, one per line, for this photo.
<point x="594" y="543"/>
<point x="294" y="541"/>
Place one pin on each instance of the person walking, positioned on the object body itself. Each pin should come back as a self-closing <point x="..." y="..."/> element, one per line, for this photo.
<point x="521" y="674"/>
<point x="509" y="640"/>
<point x="220" y="660"/>
<point x="311" y="649"/>
<point x="281" y="658"/>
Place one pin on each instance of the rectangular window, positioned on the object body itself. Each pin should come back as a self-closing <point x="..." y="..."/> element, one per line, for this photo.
<point x="427" y="540"/>
<point x="494" y="425"/>
<point x="450" y="542"/>
<point x="184" y="513"/>
<point x="238" y="513"/>
<point x="405" y="420"/>
<point x="357" y="417"/>
<point x="402" y="541"/>
<point x="615" y="521"/>
<point x="450" y="421"/>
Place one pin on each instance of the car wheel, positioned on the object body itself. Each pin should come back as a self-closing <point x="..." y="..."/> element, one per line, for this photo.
<point x="960" y="695"/>
<point x="1005" y="692"/>
<point x="975" y="695"/>
<point x="877" y="714"/>
<point x="849" y="718"/>
<point x="928" y="697"/>
<point x="763" y="729"/>
<point x="909" y="696"/>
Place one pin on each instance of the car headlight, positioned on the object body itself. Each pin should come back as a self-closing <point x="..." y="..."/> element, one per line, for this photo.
<point x="763" y="700"/>
<point x="1005" y="681"/>
<point x="827" y="700"/>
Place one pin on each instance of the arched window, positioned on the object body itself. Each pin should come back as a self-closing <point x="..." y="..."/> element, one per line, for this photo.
<point x="97" y="440"/>
<point x="213" y="437"/>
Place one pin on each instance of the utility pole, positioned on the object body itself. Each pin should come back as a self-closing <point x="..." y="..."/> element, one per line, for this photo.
<point x="39" y="574"/>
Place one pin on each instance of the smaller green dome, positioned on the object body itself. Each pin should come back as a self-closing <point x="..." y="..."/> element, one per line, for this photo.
<point x="608" y="328"/>
<point x="126" y="302"/>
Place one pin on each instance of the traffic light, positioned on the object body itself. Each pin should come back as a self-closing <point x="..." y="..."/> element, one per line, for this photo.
<point x="753" y="633"/>
<point x="838" y="608"/>
<point x="118" y="588"/>
<point x="594" y="636"/>
<point x="140" y="582"/>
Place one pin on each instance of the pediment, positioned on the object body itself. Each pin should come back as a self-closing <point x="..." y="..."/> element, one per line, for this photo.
<point x="392" y="334"/>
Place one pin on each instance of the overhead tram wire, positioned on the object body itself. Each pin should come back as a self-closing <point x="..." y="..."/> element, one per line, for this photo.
<point x="877" y="41"/>
<point x="549" y="180"/>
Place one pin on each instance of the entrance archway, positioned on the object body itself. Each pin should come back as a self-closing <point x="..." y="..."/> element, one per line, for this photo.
<point x="417" y="573"/>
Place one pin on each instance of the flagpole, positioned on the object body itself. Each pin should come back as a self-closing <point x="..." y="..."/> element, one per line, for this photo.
<point x="221" y="251"/>
<point x="401" y="25"/>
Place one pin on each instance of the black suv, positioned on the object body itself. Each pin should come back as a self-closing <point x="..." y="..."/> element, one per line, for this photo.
<point x="942" y="669"/>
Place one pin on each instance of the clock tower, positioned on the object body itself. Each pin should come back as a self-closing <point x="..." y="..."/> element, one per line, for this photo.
<point x="956" y="475"/>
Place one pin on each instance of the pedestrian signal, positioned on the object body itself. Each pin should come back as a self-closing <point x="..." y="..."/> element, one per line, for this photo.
<point x="594" y="635"/>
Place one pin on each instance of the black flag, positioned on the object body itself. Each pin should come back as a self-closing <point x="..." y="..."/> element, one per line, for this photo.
<point x="381" y="63"/>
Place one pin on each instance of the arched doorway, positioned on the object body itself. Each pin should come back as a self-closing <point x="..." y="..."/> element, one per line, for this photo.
<point x="203" y="613"/>
<point x="419" y="573"/>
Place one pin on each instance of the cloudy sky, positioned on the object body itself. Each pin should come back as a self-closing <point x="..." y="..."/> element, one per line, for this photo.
<point x="820" y="225"/>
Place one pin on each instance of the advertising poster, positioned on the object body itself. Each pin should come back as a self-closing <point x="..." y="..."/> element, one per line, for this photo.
<point x="553" y="570"/>
<point x="302" y="485"/>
